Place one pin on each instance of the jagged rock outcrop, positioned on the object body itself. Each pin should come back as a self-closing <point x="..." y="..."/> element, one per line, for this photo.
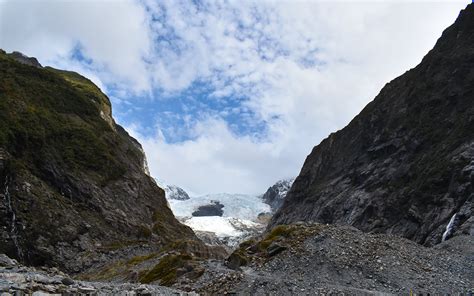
<point x="275" y="195"/>
<point x="175" y="192"/>
<point x="19" y="57"/>
<point x="215" y="208"/>
<point x="405" y="164"/>
<point x="74" y="192"/>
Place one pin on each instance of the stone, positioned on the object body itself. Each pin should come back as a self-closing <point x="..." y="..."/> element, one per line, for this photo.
<point x="6" y="261"/>
<point x="213" y="209"/>
<point x="275" y="249"/>
<point x="67" y="281"/>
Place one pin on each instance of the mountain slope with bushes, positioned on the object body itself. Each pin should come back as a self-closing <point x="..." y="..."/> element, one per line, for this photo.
<point x="74" y="187"/>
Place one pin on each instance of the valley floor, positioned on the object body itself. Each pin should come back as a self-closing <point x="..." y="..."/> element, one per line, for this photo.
<point x="20" y="280"/>
<point x="322" y="259"/>
<point x="299" y="259"/>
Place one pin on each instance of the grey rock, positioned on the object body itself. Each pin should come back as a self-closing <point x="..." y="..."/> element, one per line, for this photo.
<point x="235" y="261"/>
<point x="275" y="195"/>
<point x="378" y="264"/>
<point x="275" y="248"/>
<point x="7" y="262"/>
<point x="67" y="281"/>
<point x="213" y="209"/>
<point x="403" y="165"/>
<point x="31" y="61"/>
<point x="31" y="281"/>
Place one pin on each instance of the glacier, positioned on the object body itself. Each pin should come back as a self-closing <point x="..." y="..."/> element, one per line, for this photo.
<point x="239" y="219"/>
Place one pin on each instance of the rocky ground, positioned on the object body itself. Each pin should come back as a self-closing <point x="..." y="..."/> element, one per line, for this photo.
<point x="322" y="259"/>
<point x="20" y="280"/>
<point x="300" y="259"/>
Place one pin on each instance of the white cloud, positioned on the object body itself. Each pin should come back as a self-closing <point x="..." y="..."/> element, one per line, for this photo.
<point x="114" y="34"/>
<point x="306" y="68"/>
<point x="216" y="161"/>
<point x="356" y="48"/>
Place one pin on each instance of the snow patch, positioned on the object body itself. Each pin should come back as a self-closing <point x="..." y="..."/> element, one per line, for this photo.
<point x="449" y="228"/>
<point x="221" y="226"/>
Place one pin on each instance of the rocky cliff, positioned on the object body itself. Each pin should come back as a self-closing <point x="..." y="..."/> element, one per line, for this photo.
<point x="276" y="193"/>
<point x="405" y="164"/>
<point x="74" y="188"/>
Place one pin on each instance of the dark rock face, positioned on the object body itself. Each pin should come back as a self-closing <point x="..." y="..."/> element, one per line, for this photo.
<point x="213" y="209"/>
<point x="405" y="164"/>
<point x="73" y="184"/>
<point x="276" y="194"/>
<point x="19" y="57"/>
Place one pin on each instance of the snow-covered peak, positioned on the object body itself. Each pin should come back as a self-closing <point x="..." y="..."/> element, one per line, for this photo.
<point x="277" y="193"/>
<point x="172" y="192"/>
<point x="175" y="193"/>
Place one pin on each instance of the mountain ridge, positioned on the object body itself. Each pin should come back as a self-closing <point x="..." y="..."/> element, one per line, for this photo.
<point x="275" y="194"/>
<point x="75" y="188"/>
<point x="383" y="206"/>
<point x="404" y="164"/>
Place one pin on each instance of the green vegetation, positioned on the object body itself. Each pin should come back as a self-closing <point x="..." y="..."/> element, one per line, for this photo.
<point x="139" y="259"/>
<point x="252" y="250"/>
<point x="184" y="245"/>
<point x="109" y="272"/>
<point x="117" y="269"/>
<point x="57" y="128"/>
<point x="122" y="244"/>
<point x="180" y="254"/>
<point x="277" y="232"/>
<point x="166" y="270"/>
<point x="164" y="229"/>
<point x="238" y="258"/>
<point x="288" y="236"/>
<point x="144" y="231"/>
<point x="83" y="84"/>
<point x="247" y="243"/>
<point x="50" y="116"/>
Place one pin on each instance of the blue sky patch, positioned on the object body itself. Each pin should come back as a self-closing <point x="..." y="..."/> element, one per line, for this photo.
<point x="175" y="115"/>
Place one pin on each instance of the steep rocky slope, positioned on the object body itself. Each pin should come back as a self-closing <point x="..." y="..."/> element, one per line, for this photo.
<point x="74" y="190"/>
<point x="405" y="164"/>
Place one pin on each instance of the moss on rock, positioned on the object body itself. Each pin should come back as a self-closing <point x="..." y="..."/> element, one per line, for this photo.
<point x="165" y="272"/>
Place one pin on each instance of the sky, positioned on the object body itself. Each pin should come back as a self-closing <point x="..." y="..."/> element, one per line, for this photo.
<point x="229" y="96"/>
